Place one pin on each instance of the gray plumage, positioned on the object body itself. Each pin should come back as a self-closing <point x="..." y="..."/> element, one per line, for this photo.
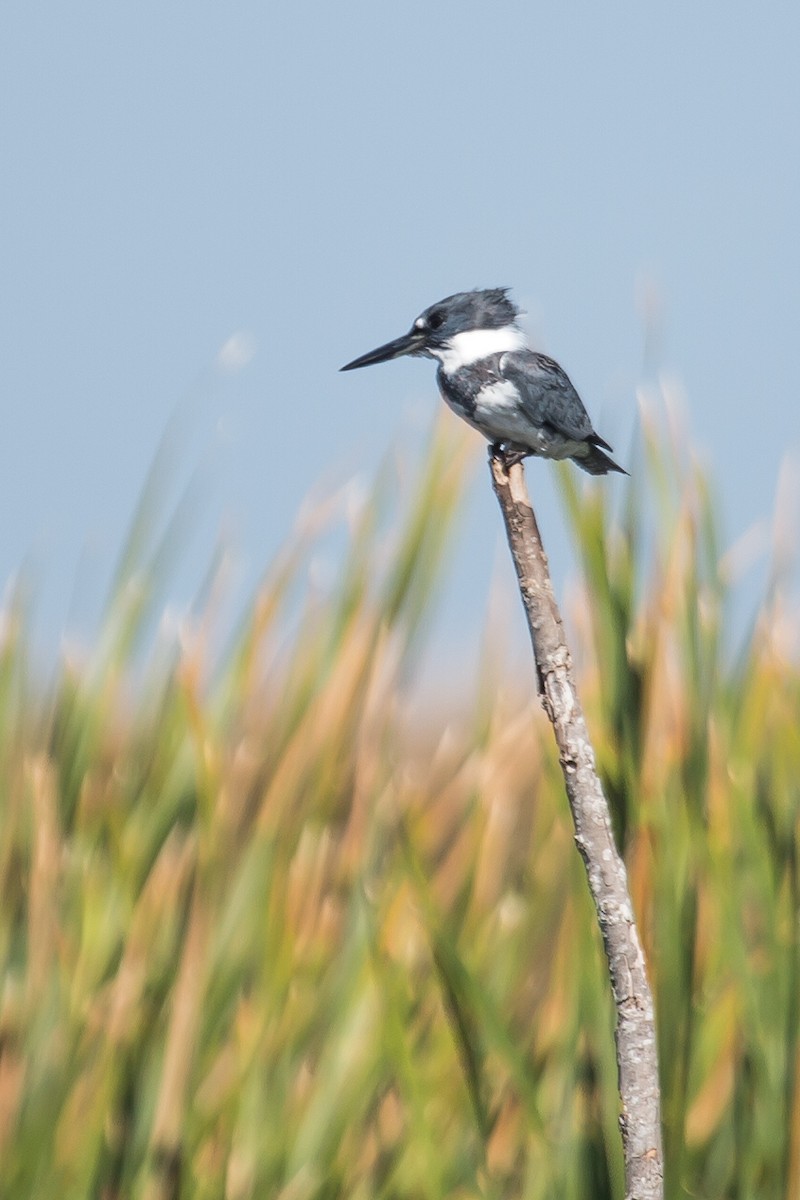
<point x="522" y="401"/>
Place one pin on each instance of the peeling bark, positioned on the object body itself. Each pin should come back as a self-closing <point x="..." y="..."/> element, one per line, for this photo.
<point x="635" y="1035"/>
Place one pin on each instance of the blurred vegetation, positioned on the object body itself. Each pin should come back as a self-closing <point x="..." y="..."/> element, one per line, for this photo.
<point x="270" y="930"/>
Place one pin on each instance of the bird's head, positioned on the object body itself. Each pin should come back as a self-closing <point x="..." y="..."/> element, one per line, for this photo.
<point x="456" y="330"/>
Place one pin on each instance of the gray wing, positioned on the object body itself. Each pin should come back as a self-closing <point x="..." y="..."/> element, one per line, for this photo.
<point x="546" y="394"/>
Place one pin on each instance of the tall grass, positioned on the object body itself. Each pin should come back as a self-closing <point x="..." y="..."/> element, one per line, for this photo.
<point x="264" y="934"/>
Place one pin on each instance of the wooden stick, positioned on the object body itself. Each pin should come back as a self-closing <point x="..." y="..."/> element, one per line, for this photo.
<point x="637" y="1058"/>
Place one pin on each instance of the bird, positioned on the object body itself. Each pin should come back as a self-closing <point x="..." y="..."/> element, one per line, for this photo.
<point x="520" y="400"/>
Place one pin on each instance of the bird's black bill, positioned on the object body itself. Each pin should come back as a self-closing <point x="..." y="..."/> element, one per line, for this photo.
<point x="409" y="343"/>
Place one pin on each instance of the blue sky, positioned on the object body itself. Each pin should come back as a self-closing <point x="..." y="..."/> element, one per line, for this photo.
<point x="308" y="177"/>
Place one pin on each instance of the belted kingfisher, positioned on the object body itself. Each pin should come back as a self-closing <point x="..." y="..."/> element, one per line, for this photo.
<point x="520" y="400"/>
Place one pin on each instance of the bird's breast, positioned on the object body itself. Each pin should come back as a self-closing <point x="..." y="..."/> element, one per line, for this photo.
<point x="463" y="389"/>
<point x="488" y="402"/>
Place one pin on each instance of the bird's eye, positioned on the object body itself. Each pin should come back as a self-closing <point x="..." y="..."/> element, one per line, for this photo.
<point x="436" y="320"/>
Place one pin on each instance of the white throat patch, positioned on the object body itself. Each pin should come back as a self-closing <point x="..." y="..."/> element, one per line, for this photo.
<point x="466" y="348"/>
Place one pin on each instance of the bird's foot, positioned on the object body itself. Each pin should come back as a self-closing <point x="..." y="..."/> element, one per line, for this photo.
<point x="509" y="454"/>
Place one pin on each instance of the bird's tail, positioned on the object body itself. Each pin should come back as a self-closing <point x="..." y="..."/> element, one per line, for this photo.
<point x="596" y="461"/>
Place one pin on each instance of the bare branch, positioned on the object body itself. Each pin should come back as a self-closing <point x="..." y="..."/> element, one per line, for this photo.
<point x="637" y="1058"/>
